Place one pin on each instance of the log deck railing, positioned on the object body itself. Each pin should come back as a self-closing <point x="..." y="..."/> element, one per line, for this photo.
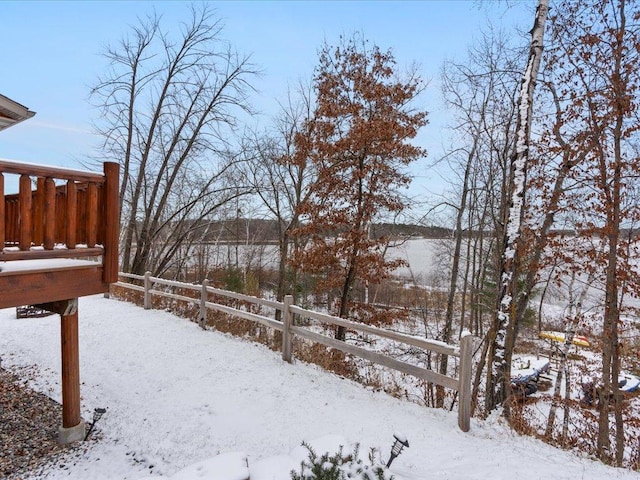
<point x="77" y="219"/>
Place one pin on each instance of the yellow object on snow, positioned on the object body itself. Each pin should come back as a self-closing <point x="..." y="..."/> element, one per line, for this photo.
<point x="559" y="337"/>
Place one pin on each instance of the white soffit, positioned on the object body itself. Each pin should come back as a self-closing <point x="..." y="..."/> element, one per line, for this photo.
<point x="12" y="112"/>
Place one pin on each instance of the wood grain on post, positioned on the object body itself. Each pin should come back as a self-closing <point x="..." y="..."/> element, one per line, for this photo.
<point x="92" y="214"/>
<point x="38" y="213"/>
<point x="24" y="242"/>
<point x="464" y="389"/>
<point x="111" y="221"/>
<point x="287" y="317"/>
<point x="70" y="370"/>
<point x="49" y="213"/>
<point x="72" y="214"/>
<point x="81" y="213"/>
<point x="2" y="228"/>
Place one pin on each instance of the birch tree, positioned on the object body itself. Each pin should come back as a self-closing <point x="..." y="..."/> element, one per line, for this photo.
<point x="505" y="327"/>
<point x="482" y="92"/>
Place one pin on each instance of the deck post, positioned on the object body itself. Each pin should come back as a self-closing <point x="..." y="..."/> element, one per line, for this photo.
<point x="286" y="328"/>
<point x="464" y="389"/>
<point x="73" y="427"/>
<point x="25" y="198"/>
<point x="49" y="213"/>
<point x="38" y="212"/>
<point x="112" y="221"/>
<point x="71" y="236"/>
<point x="2" y="226"/>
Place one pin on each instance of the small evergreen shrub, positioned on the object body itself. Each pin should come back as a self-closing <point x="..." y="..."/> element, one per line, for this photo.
<point x="341" y="467"/>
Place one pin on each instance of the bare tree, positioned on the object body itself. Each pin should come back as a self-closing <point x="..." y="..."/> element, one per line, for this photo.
<point x="168" y="103"/>
<point x="482" y="92"/>
<point x="281" y="180"/>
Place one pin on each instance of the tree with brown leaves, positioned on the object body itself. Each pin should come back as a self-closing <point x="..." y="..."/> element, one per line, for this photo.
<point x="599" y="43"/>
<point x="358" y="141"/>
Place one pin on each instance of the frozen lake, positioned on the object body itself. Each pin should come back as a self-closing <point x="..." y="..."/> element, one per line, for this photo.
<point x="429" y="262"/>
<point x="427" y="258"/>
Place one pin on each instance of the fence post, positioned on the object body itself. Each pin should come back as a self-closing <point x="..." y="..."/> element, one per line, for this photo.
<point x="286" y="325"/>
<point x="147" y="289"/>
<point x="203" y="304"/>
<point x="464" y="389"/>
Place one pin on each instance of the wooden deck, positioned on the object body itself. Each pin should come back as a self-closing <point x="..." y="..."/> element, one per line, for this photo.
<point x="59" y="236"/>
<point x="57" y="214"/>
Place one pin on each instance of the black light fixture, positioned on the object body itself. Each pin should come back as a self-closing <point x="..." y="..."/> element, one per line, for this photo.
<point x="399" y="443"/>
<point x="97" y="414"/>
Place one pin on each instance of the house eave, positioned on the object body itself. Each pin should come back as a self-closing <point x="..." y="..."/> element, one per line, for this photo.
<point x="12" y="112"/>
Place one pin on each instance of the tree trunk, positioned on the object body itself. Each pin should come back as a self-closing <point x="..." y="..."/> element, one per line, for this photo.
<point x="448" y="322"/>
<point x="505" y="328"/>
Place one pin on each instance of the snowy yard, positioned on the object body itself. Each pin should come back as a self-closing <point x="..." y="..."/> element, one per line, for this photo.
<point x="176" y="395"/>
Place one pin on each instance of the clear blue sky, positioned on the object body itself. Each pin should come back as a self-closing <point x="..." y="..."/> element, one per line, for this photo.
<point x="51" y="50"/>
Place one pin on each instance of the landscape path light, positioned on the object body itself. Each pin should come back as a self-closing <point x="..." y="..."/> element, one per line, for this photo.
<point x="97" y="414"/>
<point x="399" y="442"/>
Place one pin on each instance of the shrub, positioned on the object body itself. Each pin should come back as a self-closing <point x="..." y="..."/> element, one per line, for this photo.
<point x="341" y="467"/>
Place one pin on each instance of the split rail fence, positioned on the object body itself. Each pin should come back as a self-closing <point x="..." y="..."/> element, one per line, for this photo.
<point x="290" y="328"/>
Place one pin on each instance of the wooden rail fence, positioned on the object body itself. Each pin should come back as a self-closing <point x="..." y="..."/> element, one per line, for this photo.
<point x="290" y="328"/>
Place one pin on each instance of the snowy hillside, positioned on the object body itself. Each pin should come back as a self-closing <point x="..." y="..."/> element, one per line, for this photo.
<point x="176" y="395"/>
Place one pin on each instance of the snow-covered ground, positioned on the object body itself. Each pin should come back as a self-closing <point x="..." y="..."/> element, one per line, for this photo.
<point x="176" y="395"/>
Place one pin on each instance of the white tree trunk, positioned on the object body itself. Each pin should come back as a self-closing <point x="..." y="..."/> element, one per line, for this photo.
<point x="505" y="328"/>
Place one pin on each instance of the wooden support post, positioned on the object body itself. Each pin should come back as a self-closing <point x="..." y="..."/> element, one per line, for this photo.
<point x="147" y="288"/>
<point x="24" y="241"/>
<point x="73" y="427"/>
<point x="38" y="213"/>
<point x="203" y="304"/>
<point x="287" y="318"/>
<point x="464" y="388"/>
<point x="49" y="213"/>
<point x="92" y="214"/>
<point x="70" y="371"/>
<point x="2" y="227"/>
<point x="72" y="214"/>
<point x="111" y="221"/>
